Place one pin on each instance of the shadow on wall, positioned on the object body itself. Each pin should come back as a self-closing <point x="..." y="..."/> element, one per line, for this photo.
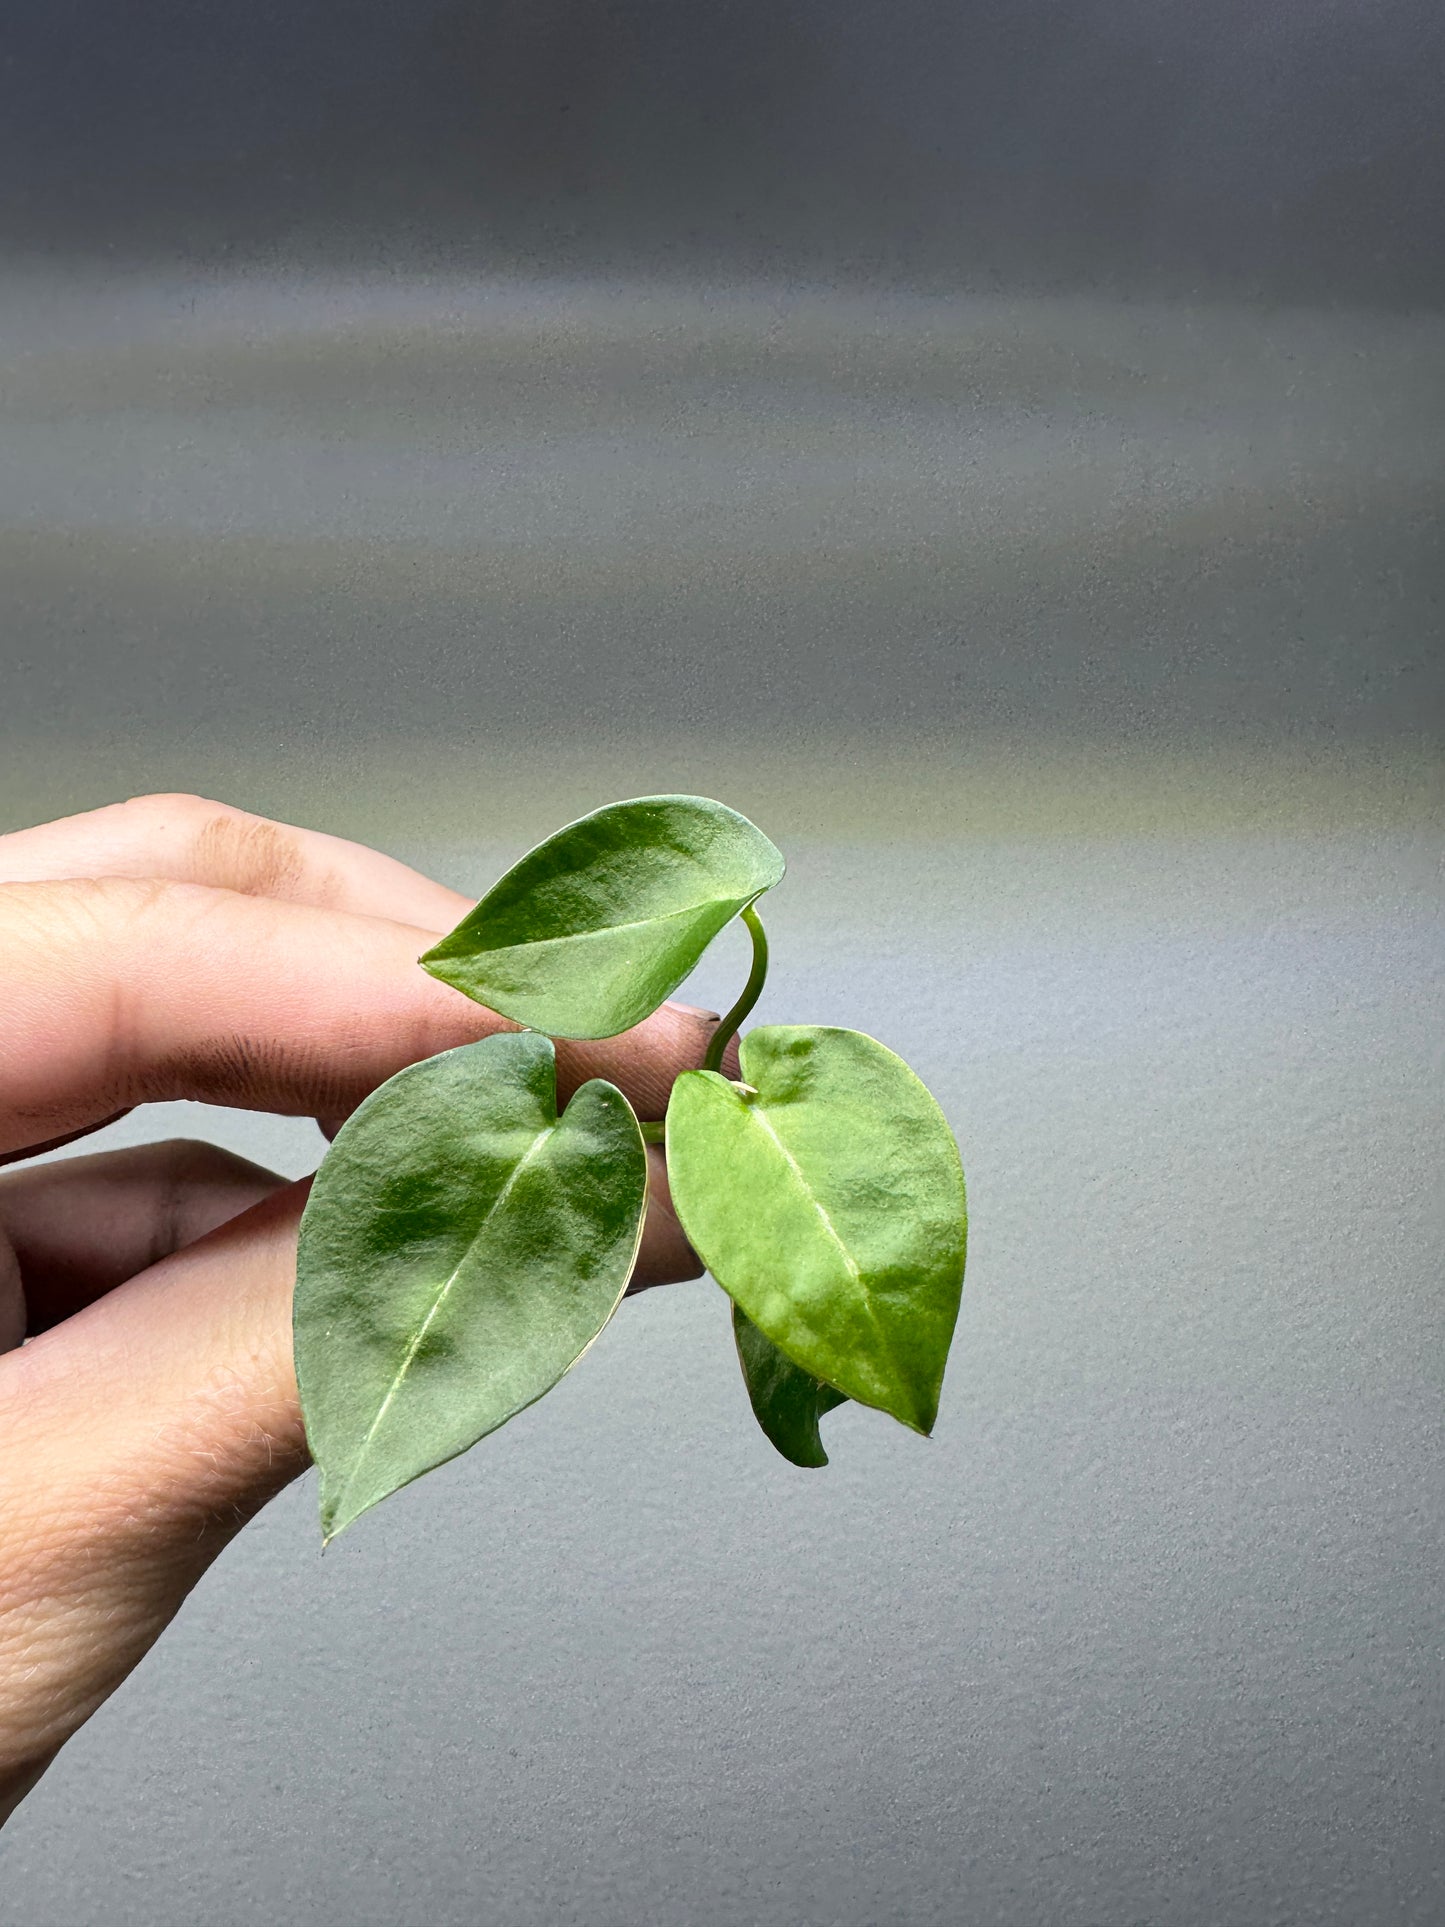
<point x="1250" y="143"/>
<point x="443" y="507"/>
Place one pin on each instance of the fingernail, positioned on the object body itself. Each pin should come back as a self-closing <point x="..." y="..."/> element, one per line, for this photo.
<point x="696" y="1010"/>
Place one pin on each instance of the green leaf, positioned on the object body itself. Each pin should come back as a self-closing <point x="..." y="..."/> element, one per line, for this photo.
<point x="787" y="1401"/>
<point x="827" y="1200"/>
<point x="593" y="929"/>
<point x="460" y="1250"/>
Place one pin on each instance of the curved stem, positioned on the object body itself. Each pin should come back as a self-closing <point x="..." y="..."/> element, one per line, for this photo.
<point x="752" y="990"/>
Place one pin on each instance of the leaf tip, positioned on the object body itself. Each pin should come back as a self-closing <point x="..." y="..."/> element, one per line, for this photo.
<point x="333" y="1527"/>
<point x="808" y="1455"/>
<point x="334" y="1519"/>
<point x="919" y="1415"/>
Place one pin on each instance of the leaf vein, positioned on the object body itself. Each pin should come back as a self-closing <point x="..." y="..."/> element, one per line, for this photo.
<point x="884" y="1340"/>
<point x="612" y="929"/>
<point x="817" y="1203"/>
<point x="422" y="1329"/>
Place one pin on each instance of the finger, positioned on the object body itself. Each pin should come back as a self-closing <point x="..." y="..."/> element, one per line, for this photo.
<point x="137" y="1438"/>
<point x="80" y="1227"/>
<point x="189" y="839"/>
<point x="57" y="1143"/>
<point x="665" y="1257"/>
<point x="121" y="992"/>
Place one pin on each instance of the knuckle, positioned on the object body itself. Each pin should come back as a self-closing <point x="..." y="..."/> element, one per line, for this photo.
<point x="221" y="845"/>
<point x="191" y="1163"/>
<point x="168" y="809"/>
<point x="248" y="854"/>
<point x="194" y="1157"/>
<point x="166" y="822"/>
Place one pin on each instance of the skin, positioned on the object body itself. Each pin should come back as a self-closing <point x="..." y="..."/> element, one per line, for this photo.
<point x="171" y="947"/>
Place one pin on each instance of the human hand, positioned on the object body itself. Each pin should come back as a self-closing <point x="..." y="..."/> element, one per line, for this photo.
<point x="175" y="948"/>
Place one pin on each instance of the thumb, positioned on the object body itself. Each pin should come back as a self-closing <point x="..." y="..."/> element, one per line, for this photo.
<point x="135" y="1440"/>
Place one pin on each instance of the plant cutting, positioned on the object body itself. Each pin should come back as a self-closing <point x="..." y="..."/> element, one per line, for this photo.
<point x="465" y="1243"/>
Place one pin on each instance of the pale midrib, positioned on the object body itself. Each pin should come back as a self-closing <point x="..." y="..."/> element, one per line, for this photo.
<point x="816" y="1202"/>
<point x="613" y="929"/>
<point x="441" y="1298"/>
<point x="884" y="1343"/>
<point x="832" y="1230"/>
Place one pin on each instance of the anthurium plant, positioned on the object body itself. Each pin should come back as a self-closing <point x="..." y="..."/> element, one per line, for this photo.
<point x="465" y="1243"/>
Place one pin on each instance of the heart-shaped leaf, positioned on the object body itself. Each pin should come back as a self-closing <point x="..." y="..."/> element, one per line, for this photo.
<point x="827" y="1200"/>
<point x="593" y="929"/>
<point x="787" y="1401"/>
<point x="461" y="1248"/>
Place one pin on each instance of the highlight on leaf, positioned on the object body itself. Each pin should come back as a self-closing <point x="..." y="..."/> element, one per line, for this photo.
<point x="595" y="927"/>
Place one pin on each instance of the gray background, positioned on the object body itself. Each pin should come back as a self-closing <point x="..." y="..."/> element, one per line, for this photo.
<point x="1000" y="448"/>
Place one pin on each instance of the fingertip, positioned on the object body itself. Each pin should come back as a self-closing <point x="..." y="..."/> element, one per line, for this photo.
<point x="643" y="1061"/>
<point x="694" y="1010"/>
<point x="707" y="1022"/>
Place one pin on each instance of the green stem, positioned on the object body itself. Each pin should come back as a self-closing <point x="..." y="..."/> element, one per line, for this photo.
<point x="752" y="990"/>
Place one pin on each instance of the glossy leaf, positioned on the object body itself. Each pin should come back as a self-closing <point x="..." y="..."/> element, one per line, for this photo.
<point x="593" y="929"/>
<point x="461" y="1248"/>
<point x="828" y="1202"/>
<point x="787" y="1401"/>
